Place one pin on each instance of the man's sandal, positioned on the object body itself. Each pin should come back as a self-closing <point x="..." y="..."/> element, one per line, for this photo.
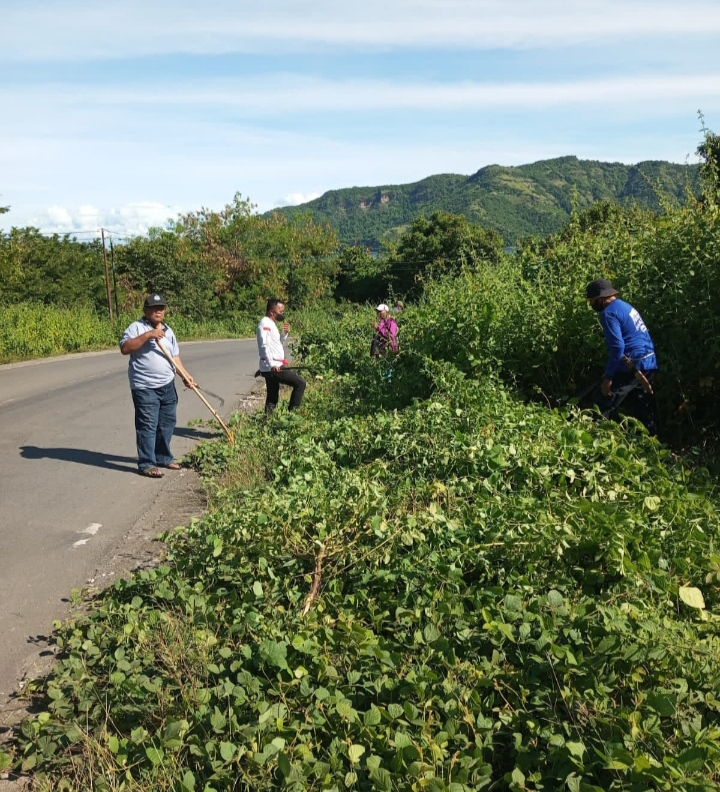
<point x="173" y="466"/>
<point x="152" y="472"/>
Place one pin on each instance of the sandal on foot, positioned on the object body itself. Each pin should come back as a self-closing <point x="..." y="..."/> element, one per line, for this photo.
<point x="151" y="472"/>
<point x="173" y="466"/>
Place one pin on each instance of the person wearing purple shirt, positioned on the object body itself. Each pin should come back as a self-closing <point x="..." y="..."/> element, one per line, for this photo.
<point x="630" y="350"/>
<point x="385" y="338"/>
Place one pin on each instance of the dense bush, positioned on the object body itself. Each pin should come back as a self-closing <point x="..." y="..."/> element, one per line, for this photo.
<point x="525" y="316"/>
<point x="459" y="593"/>
<point x="212" y="266"/>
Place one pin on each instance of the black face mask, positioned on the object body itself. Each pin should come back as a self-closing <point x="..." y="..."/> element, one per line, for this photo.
<point x="598" y="306"/>
<point x="280" y="317"/>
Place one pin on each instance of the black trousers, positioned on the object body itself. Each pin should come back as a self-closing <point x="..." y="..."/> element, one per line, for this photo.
<point x="273" y="380"/>
<point x="630" y="398"/>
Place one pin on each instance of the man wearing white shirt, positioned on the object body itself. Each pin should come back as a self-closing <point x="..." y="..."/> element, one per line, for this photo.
<point x="273" y="365"/>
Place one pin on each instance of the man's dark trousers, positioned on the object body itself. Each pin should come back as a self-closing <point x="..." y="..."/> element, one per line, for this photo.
<point x="629" y="398"/>
<point x="273" y="380"/>
<point x="155" y="418"/>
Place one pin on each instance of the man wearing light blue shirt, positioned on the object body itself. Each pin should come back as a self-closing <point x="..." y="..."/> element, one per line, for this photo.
<point x="152" y="384"/>
<point x="631" y="363"/>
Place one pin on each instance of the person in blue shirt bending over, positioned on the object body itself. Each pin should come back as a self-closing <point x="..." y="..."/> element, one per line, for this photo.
<point x="631" y="364"/>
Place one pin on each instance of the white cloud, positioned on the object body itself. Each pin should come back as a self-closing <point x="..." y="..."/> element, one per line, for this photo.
<point x="131" y="219"/>
<point x="76" y="30"/>
<point x="279" y="95"/>
<point x="297" y="198"/>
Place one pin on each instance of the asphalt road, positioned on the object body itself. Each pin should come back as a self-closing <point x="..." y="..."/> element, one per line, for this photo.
<point x="69" y="488"/>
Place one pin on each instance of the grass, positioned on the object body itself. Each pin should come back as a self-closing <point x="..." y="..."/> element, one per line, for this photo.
<point x="33" y="330"/>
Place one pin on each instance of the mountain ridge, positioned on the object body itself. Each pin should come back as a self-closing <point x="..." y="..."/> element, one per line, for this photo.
<point x="518" y="200"/>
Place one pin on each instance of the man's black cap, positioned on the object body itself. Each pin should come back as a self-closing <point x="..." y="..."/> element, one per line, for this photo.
<point x="155" y="301"/>
<point x="599" y="288"/>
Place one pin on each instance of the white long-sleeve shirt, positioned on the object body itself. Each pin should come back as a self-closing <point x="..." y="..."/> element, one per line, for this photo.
<point x="270" y="345"/>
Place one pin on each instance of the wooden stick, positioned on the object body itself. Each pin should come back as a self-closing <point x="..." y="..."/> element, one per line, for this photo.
<point x="317" y="577"/>
<point x="183" y="373"/>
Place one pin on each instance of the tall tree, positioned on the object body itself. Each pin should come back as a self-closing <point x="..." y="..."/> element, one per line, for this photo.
<point x="438" y="245"/>
<point x="709" y="153"/>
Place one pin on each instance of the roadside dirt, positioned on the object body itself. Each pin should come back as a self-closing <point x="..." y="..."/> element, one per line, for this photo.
<point x="176" y="504"/>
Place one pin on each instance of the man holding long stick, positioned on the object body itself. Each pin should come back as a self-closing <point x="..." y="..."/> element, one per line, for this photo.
<point x="152" y="384"/>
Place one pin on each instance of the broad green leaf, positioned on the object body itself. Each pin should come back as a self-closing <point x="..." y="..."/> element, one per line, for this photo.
<point x="284" y="764"/>
<point x="355" y="752"/>
<point x="693" y="760"/>
<point x="155" y="755"/>
<point x="619" y="758"/>
<point x="257" y="588"/>
<point x="27" y="728"/>
<point x="651" y="503"/>
<point x="573" y="783"/>
<point x="382" y="780"/>
<point x="172" y="730"/>
<point x="411" y="711"/>
<point x="29" y="761"/>
<point x="663" y="703"/>
<point x="373" y="762"/>
<point x="513" y="603"/>
<point x="576" y="748"/>
<point x="227" y="751"/>
<point x="373" y="716"/>
<point x="274" y="653"/>
<point x="692" y="597"/>
<point x="431" y="633"/>
<point x="218" y="720"/>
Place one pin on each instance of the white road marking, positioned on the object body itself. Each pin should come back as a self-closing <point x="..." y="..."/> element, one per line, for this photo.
<point x="92" y="529"/>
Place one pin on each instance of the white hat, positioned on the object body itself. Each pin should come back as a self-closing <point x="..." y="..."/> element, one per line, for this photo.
<point x="382" y="307"/>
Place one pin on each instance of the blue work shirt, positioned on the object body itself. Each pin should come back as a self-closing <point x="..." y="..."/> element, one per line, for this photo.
<point x="148" y="367"/>
<point x="626" y="334"/>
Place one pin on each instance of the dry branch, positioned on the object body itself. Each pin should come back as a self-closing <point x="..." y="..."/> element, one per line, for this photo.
<point x="317" y="577"/>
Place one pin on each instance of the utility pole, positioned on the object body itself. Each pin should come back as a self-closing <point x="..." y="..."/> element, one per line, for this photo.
<point x="107" y="276"/>
<point x="112" y="265"/>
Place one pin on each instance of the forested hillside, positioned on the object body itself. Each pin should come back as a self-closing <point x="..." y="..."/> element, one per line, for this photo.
<point x="529" y="200"/>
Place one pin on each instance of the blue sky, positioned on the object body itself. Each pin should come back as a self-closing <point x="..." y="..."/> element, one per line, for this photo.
<point x="123" y="114"/>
